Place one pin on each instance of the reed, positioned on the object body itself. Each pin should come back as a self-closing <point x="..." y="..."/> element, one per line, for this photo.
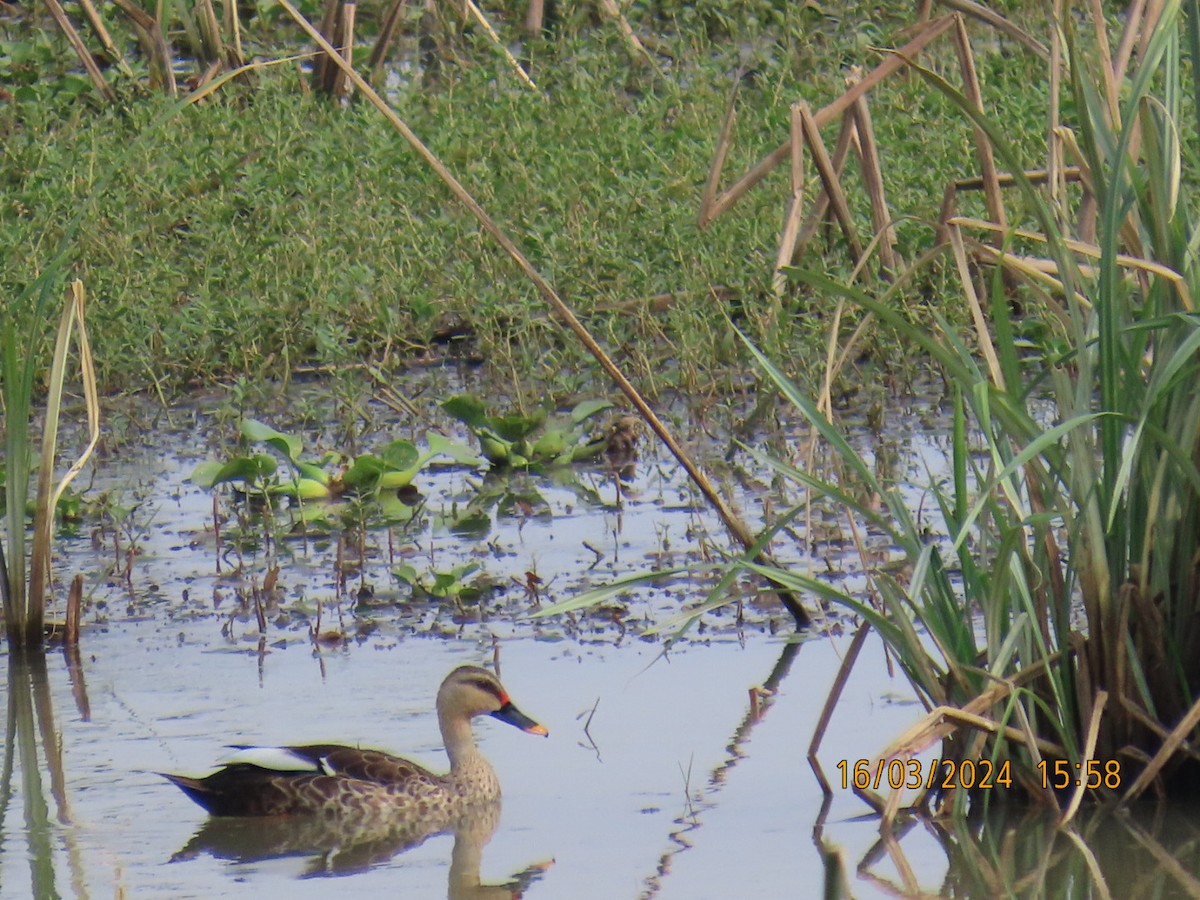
<point x="24" y="587"/>
<point x="1056" y="622"/>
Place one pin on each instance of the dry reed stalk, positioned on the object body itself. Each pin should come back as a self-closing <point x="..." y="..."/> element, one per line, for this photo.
<point x="85" y="55"/>
<point x="983" y="145"/>
<point x="820" y="209"/>
<point x="562" y="311"/>
<point x="709" y="195"/>
<point x="338" y="86"/>
<point x="1089" y="754"/>
<point x="106" y="41"/>
<point x="896" y="61"/>
<point x="1136" y="264"/>
<point x="1169" y="748"/>
<point x="997" y="21"/>
<point x="321" y="73"/>
<point x="829" y="179"/>
<point x="795" y="208"/>
<point x="1054" y="144"/>
<point x="211" y="46"/>
<point x="48" y="494"/>
<point x="74" y="602"/>
<point x="978" y="316"/>
<point x="831" y="701"/>
<point x="479" y="17"/>
<point x="385" y="39"/>
<point x="535" y="17"/>
<point x="1000" y="23"/>
<point x="233" y="25"/>
<point x="153" y="43"/>
<point x="637" y="49"/>
<point x="872" y="172"/>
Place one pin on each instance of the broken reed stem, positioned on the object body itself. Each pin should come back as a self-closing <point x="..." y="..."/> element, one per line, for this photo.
<point x="387" y="36"/>
<point x="150" y="36"/>
<point x="795" y="209"/>
<point x="897" y="60"/>
<point x="830" y="180"/>
<point x="74" y="602"/>
<point x="338" y="87"/>
<point x="81" y="51"/>
<point x="499" y="45"/>
<point x="872" y="172"/>
<point x="983" y="146"/>
<point x="106" y="41"/>
<point x="735" y="525"/>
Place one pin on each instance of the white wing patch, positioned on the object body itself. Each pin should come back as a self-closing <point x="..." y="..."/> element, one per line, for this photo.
<point x="277" y="759"/>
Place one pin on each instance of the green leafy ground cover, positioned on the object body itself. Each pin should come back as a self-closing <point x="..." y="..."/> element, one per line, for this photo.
<point x="268" y="230"/>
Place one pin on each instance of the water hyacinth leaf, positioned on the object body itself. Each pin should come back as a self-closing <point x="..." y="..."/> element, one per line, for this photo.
<point x="515" y="427"/>
<point x="587" y="409"/>
<point x="467" y="409"/>
<point x="251" y="470"/>
<point x="550" y="446"/>
<point x="440" y="445"/>
<point x="400" y="455"/>
<point x="287" y="444"/>
<point x="365" y="472"/>
<point x="406" y="573"/>
<point x="313" y="472"/>
<point x="304" y="489"/>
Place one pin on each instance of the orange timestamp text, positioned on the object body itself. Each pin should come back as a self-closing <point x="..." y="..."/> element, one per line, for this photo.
<point x="943" y="774"/>
<point x="1061" y="774"/>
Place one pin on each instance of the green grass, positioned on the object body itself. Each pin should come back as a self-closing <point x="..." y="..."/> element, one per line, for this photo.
<point x="267" y="229"/>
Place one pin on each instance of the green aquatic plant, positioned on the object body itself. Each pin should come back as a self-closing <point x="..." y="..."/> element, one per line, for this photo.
<point x="517" y="440"/>
<point x="466" y="582"/>
<point x="24" y="588"/>
<point x="329" y="477"/>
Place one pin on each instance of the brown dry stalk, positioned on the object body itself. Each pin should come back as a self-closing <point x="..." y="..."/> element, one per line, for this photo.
<point x="829" y="178"/>
<point x="997" y="21"/>
<point x="830" y="113"/>
<point x="983" y="146"/>
<point x="872" y="172"/>
<point x="1175" y="740"/>
<point x="151" y="38"/>
<point x="735" y="525"/>
<point x="106" y="40"/>
<point x="81" y="50"/>
<point x="477" y="13"/>
<point x="1089" y="754"/>
<point x="791" y="221"/>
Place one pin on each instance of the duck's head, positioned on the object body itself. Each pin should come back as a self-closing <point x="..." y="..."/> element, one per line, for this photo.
<point x="470" y="691"/>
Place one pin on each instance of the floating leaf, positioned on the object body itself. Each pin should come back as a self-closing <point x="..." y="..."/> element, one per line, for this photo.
<point x="587" y="409"/>
<point x="467" y="409"/>
<point x="287" y="444"/>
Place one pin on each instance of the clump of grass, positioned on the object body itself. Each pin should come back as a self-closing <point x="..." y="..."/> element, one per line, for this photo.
<point x="1054" y="631"/>
<point x="24" y="587"/>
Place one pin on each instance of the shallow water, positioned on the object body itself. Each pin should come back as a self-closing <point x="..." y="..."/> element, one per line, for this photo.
<point x="656" y="780"/>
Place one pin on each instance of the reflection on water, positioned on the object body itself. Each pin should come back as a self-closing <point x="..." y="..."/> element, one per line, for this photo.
<point x="31" y="743"/>
<point x="343" y="845"/>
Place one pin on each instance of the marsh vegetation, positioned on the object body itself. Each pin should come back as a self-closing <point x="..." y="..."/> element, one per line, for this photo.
<point x="658" y="197"/>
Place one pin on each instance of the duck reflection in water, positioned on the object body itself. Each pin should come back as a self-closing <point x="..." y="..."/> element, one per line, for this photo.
<point x="354" y="807"/>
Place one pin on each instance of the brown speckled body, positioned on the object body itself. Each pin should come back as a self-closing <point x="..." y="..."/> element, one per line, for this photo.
<point x="350" y="781"/>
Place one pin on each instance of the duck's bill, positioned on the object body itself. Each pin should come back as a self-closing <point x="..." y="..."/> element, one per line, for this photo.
<point x="513" y="716"/>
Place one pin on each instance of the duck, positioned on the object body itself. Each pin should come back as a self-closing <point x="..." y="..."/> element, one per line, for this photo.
<point x="338" y="780"/>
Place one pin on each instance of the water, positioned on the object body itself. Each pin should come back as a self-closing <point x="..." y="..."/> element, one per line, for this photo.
<point x="657" y="780"/>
